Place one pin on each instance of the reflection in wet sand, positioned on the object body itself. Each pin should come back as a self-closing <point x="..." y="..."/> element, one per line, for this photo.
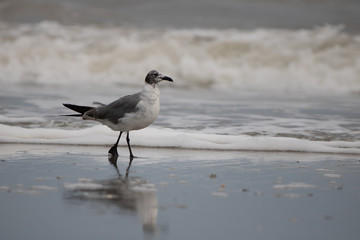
<point x="129" y="193"/>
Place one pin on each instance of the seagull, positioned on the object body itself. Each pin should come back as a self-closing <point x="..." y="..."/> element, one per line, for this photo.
<point x="131" y="112"/>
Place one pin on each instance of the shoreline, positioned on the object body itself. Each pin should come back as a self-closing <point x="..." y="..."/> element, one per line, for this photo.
<point x="172" y="194"/>
<point x="107" y="146"/>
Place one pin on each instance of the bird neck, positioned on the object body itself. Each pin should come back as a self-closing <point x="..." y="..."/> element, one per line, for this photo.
<point x="151" y="90"/>
<point x="152" y="84"/>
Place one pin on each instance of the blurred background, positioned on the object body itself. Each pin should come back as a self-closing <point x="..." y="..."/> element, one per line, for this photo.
<point x="276" y="45"/>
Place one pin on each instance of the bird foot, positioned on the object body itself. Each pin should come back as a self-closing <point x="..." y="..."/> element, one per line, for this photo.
<point x="113" y="151"/>
<point x="113" y="155"/>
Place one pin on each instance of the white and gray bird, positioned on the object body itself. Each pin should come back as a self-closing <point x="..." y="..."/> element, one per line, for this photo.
<point x="131" y="112"/>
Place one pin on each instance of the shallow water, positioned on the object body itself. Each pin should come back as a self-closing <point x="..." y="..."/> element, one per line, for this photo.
<point x="195" y="118"/>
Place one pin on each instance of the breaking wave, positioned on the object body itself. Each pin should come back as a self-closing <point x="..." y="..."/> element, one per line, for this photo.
<point x="321" y="59"/>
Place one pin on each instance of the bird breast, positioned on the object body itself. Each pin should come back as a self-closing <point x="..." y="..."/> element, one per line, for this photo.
<point x="148" y="110"/>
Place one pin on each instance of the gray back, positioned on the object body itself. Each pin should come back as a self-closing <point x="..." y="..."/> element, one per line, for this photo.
<point x="117" y="109"/>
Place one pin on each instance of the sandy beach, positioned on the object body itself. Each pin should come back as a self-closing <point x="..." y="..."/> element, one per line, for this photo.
<point x="73" y="192"/>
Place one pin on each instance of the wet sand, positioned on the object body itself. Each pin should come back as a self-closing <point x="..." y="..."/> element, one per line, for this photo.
<point x="73" y="192"/>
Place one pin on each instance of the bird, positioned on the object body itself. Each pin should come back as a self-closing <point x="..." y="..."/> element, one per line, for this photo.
<point x="128" y="113"/>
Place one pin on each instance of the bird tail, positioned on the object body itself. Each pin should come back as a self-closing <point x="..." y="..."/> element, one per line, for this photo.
<point x="76" y="108"/>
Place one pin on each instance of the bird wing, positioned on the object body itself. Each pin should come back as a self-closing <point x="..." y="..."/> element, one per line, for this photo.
<point x="117" y="109"/>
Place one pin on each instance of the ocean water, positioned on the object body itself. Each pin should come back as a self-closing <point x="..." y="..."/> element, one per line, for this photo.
<point x="241" y="82"/>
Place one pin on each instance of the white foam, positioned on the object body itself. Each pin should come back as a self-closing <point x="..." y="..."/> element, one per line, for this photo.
<point x="325" y="170"/>
<point x="170" y="138"/>
<point x="293" y="185"/>
<point x="320" y="59"/>
<point x="332" y="175"/>
<point x="83" y="186"/>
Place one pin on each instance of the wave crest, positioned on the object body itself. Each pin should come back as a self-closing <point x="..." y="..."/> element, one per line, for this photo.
<point x="321" y="59"/>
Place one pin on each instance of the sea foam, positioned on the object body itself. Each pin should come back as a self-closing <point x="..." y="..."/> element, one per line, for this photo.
<point x="170" y="138"/>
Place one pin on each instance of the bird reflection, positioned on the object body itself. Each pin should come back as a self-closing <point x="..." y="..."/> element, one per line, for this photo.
<point x="126" y="193"/>
<point x="113" y="160"/>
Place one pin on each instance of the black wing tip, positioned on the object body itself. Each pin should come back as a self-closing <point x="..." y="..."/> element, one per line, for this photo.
<point x="68" y="105"/>
<point x="77" y="108"/>
<point x="71" y="115"/>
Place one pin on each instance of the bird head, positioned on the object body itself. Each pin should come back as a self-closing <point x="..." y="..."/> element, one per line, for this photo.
<point x="154" y="77"/>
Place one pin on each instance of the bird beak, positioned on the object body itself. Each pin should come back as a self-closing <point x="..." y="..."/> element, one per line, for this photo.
<point x="167" y="78"/>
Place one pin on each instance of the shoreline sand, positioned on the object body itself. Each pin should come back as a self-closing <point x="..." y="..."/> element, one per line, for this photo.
<point x="74" y="192"/>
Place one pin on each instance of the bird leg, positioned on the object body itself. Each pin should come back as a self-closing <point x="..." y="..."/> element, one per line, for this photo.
<point x="128" y="168"/>
<point x="113" y="150"/>
<point x="128" y="143"/>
